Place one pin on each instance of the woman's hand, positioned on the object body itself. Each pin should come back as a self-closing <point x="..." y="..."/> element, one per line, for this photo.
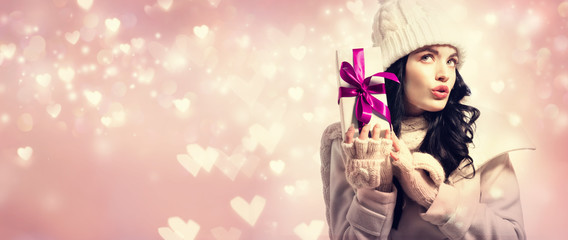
<point x="420" y="174"/>
<point x="368" y="164"/>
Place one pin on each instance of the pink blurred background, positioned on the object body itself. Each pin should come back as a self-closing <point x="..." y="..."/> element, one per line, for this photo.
<point x="148" y="119"/>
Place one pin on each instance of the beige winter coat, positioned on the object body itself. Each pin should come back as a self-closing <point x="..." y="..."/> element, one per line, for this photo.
<point x="486" y="206"/>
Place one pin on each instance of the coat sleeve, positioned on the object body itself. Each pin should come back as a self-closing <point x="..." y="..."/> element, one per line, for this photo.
<point x="493" y="211"/>
<point x="367" y="214"/>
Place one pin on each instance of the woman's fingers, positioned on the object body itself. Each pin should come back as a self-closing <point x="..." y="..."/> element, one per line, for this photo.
<point x="395" y="143"/>
<point x="394" y="155"/>
<point x="349" y="134"/>
<point x="364" y="132"/>
<point x="376" y="132"/>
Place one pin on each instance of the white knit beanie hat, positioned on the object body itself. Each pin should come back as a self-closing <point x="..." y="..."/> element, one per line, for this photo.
<point x="402" y="26"/>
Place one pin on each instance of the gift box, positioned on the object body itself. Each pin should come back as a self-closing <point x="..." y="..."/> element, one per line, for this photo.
<point x="362" y="98"/>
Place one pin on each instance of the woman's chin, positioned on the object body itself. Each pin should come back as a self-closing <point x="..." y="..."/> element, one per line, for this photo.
<point x="435" y="108"/>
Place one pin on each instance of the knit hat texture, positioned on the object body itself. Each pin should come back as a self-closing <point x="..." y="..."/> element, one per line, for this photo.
<point x="402" y="26"/>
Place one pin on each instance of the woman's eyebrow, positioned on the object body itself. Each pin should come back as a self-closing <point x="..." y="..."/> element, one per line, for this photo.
<point x="434" y="51"/>
<point x="427" y="49"/>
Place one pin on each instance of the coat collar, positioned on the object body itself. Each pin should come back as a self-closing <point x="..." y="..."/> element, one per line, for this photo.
<point x="494" y="136"/>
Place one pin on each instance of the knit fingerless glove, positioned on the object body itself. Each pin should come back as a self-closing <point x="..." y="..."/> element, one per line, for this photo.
<point x="419" y="174"/>
<point x="368" y="165"/>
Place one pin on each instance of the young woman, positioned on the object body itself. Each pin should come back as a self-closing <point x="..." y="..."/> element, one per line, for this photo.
<point x="424" y="179"/>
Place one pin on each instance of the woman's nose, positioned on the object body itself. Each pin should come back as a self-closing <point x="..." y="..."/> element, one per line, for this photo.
<point x="442" y="73"/>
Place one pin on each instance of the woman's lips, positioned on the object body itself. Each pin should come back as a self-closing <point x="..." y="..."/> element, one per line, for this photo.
<point x="441" y="92"/>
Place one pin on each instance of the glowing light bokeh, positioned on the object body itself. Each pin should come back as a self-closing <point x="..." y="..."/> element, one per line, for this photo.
<point x="161" y="118"/>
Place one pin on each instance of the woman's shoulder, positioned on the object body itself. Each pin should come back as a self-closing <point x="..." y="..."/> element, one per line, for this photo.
<point x="332" y="132"/>
<point x="496" y="135"/>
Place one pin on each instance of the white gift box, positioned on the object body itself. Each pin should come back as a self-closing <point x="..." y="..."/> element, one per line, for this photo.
<point x="372" y="64"/>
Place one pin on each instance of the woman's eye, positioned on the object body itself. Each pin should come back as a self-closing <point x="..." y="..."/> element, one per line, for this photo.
<point x="452" y="62"/>
<point x="426" y="57"/>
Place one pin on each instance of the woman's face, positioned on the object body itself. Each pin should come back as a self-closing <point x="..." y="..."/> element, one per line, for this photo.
<point x="430" y="76"/>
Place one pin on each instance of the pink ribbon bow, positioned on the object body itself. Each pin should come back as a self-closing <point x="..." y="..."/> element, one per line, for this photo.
<point x="365" y="102"/>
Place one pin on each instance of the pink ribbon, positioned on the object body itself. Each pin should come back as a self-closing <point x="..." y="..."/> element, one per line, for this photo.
<point x="365" y="102"/>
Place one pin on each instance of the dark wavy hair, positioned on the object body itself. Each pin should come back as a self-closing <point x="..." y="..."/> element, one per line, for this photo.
<point x="449" y="130"/>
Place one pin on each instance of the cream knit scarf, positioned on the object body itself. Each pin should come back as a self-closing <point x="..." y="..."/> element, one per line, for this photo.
<point x="412" y="132"/>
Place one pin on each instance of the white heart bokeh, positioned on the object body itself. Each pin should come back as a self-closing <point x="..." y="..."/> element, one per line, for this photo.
<point x="249" y="211"/>
<point x="25" y="153"/>
<point x="179" y="230"/>
<point x="309" y="232"/>
<point x="270" y="138"/>
<point x="222" y="234"/>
